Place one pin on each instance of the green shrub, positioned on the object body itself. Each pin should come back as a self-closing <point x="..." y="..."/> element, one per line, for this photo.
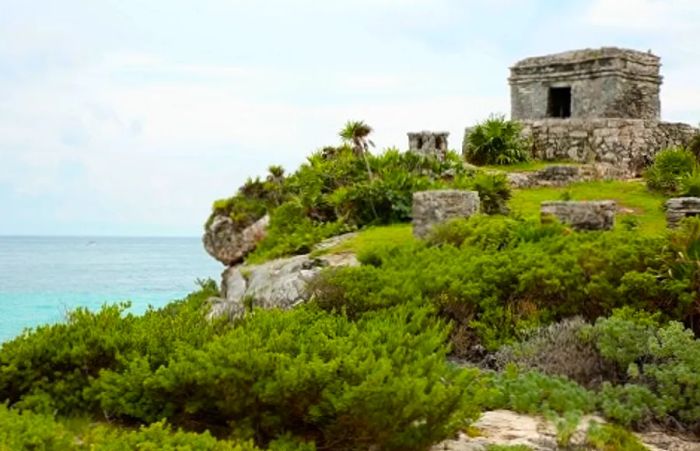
<point x="155" y="437"/>
<point x="27" y="430"/>
<point x="559" y="349"/>
<point x="382" y="381"/>
<point x="340" y="189"/>
<point x="659" y="363"/>
<point x="495" y="141"/>
<point x="608" y="437"/>
<point x="50" y="367"/>
<point x="291" y="231"/>
<point x="532" y="392"/>
<point x="690" y="184"/>
<point x="494" y="192"/>
<point x="669" y="169"/>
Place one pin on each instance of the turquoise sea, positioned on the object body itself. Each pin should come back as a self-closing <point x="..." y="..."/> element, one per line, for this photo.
<point x="43" y="277"/>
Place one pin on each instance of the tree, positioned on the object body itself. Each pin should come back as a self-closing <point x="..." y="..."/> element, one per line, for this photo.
<point x="356" y="134"/>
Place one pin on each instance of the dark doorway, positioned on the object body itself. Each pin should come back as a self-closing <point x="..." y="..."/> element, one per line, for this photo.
<point x="559" y="102"/>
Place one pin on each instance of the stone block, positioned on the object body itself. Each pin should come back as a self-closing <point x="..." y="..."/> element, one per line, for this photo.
<point x="597" y="215"/>
<point x="679" y="208"/>
<point x="434" y="207"/>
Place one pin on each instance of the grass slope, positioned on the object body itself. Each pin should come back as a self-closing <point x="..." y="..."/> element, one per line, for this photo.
<point x="632" y="197"/>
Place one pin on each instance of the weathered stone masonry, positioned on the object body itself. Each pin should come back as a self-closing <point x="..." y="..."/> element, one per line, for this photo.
<point x="591" y="83"/>
<point x="629" y="144"/>
<point x="594" y="106"/>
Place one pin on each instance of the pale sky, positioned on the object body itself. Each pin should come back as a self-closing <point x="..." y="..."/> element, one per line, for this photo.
<point x="129" y="117"/>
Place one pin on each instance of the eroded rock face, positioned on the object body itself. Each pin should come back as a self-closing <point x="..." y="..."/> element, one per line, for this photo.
<point x="278" y="283"/>
<point x="679" y="208"/>
<point x="503" y="427"/>
<point x="228" y="245"/>
<point x="437" y="206"/>
<point x="595" y="215"/>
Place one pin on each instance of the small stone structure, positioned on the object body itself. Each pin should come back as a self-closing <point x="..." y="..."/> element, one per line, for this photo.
<point x="428" y="143"/>
<point x="593" y="83"/>
<point x="595" y="215"/>
<point x="594" y="105"/>
<point x="679" y="208"/>
<point x="434" y="207"/>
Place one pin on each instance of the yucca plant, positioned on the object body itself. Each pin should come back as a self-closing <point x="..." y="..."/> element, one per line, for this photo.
<point x="496" y="141"/>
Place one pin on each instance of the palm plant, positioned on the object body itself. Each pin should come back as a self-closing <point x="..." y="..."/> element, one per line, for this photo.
<point x="355" y="133"/>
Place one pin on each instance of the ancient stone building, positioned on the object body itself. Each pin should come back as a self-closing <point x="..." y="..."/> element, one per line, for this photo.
<point x="428" y="143"/>
<point x="601" y="83"/>
<point x="594" y="106"/>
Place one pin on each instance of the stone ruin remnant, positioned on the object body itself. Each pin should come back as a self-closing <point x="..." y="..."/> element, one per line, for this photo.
<point x="581" y="215"/>
<point x="679" y="208"/>
<point x="594" y="106"/>
<point x="437" y="206"/>
<point x="428" y="143"/>
<point x="593" y="83"/>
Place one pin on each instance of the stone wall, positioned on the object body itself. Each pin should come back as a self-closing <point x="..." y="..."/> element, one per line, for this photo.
<point x="629" y="144"/>
<point x="605" y="83"/>
<point x="679" y="208"/>
<point x="561" y="175"/>
<point x="434" y="207"/>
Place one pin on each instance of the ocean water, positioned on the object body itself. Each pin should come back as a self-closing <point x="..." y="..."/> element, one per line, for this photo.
<point x="41" y="278"/>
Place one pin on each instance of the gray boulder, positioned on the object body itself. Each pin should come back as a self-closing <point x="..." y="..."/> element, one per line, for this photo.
<point x="581" y="215"/>
<point x="278" y="283"/>
<point x="230" y="246"/>
<point x="437" y="206"/>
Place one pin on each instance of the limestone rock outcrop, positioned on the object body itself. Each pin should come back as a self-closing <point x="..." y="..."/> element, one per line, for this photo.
<point x="503" y="427"/>
<point x="278" y="283"/>
<point x="225" y="243"/>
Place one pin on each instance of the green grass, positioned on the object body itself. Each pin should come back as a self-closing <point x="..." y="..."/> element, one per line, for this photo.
<point x="373" y="237"/>
<point x="528" y="166"/>
<point x="631" y="196"/>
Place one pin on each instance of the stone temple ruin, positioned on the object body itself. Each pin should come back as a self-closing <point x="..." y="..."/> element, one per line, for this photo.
<point x="594" y="106"/>
<point x="428" y="143"/>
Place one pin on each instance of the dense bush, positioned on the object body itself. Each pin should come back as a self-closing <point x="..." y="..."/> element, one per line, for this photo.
<point x="495" y="141"/>
<point x="659" y="362"/>
<point x="535" y="393"/>
<point x="49" y="368"/>
<point x="382" y="381"/>
<point x="509" y="276"/>
<point x="494" y="192"/>
<point x="280" y="378"/>
<point x="560" y="349"/>
<point x="25" y="430"/>
<point x="671" y="166"/>
<point x="339" y="189"/>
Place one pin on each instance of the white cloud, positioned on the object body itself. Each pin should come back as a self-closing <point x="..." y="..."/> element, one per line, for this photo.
<point x="651" y="15"/>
